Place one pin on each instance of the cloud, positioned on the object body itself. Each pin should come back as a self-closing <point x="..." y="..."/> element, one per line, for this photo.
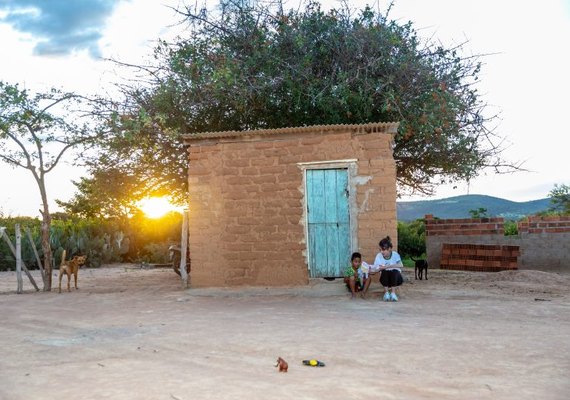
<point x="60" y="26"/>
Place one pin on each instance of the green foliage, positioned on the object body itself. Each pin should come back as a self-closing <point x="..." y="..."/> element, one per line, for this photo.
<point x="408" y="262"/>
<point x="155" y="252"/>
<point x="251" y="65"/>
<point x="106" y="194"/>
<point x="478" y="213"/>
<point x="560" y="199"/>
<point x="511" y="228"/>
<point x="7" y="259"/>
<point x="101" y="240"/>
<point x="412" y="238"/>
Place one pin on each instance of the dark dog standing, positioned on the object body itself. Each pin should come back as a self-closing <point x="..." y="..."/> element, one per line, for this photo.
<point x="421" y="266"/>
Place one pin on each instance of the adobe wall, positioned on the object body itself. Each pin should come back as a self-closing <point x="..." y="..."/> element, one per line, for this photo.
<point x="247" y="199"/>
<point x="544" y="242"/>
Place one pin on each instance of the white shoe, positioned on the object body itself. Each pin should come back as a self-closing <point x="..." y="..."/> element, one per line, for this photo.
<point x="393" y="297"/>
<point x="387" y="296"/>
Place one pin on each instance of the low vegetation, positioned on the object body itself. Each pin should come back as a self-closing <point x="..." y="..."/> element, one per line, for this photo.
<point x="136" y="239"/>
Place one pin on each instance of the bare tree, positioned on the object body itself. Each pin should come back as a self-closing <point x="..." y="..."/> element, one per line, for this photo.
<point x="36" y="130"/>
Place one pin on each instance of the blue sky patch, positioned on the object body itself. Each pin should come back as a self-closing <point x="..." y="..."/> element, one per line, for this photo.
<point x="61" y="26"/>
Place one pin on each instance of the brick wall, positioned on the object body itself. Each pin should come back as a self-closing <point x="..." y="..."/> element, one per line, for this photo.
<point x="465" y="226"/>
<point x="246" y="199"/>
<point x="544" y="242"/>
<point x="541" y="225"/>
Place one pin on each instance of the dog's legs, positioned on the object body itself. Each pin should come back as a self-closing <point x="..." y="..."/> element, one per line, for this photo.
<point x="60" y="276"/>
<point x="416" y="273"/>
<point x="426" y="271"/>
<point x="68" y="281"/>
<point x="75" y="276"/>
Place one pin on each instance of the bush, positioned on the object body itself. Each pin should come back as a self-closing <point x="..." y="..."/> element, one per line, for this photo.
<point x="511" y="228"/>
<point x="412" y="238"/>
<point x="103" y="241"/>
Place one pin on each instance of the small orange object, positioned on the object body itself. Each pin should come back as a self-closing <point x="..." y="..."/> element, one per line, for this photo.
<point x="282" y="364"/>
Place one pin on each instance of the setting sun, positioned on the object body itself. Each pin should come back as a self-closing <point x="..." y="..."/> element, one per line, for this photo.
<point x="156" y="207"/>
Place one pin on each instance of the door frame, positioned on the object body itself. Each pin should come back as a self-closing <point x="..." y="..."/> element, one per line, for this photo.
<point x="351" y="166"/>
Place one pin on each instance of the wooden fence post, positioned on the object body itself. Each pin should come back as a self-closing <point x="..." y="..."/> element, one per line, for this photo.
<point x="13" y="250"/>
<point x="184" y="249"/>
<point x="40" y="265"/>
<point x="19" y="258"/>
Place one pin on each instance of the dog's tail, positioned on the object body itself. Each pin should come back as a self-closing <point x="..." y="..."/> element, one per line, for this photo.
<point x="63" y="254"/>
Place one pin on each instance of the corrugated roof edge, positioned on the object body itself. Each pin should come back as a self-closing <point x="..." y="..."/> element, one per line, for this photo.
<point x="380" y="127"/>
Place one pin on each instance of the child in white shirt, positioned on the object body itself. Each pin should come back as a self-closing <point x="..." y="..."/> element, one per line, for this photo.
<point x="389" y="263"/>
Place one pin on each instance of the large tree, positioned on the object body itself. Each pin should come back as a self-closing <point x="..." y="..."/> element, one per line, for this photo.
<point x="107" y="193"/>
<point x="248" y="65"/>
<point x="560" y="199"/>
<point x="36" y="130"/>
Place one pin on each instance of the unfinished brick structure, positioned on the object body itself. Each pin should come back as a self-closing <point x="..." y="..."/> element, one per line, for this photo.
<point x="543" y="242"/>
<point x="276" y="207"/>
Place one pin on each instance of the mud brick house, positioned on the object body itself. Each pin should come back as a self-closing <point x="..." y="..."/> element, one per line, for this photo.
<point x="276" y="207"/>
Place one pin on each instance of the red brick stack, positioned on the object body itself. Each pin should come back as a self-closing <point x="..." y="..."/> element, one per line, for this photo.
<point x="479" y="257"/>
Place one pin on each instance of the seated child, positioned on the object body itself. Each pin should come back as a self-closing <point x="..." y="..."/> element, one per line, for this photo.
<point x="356" y="275"/>
<point x="390" y="264"/>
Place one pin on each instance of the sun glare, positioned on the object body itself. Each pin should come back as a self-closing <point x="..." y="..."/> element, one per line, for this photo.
<point x="156" y="207"/>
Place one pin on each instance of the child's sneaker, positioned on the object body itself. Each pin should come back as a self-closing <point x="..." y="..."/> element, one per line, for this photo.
<point x="387" y="296"/>
<point x="393" y="297"/>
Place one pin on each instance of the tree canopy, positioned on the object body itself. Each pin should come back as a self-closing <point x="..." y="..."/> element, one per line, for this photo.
<point x="560" y="199"/>
<point x="249" y="65"/>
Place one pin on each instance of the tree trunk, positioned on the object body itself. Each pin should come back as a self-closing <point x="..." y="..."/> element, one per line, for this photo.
<point x="45" y="230"/>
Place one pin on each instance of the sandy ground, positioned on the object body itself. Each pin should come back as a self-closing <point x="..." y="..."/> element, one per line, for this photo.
<point x="129" y="333"/>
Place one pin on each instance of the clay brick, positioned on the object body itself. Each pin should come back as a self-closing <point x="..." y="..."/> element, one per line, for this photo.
<point x="262" y="162"/>
<point x="302" y="150"/>
<point x="287" y="144"/>
<point x="236" y="163"/>
<point x="238" y="247"/>
<point x="239" y="180"/>
<point x="312" y="141"/>
<point x="196" y="171"/>
<point x="229" y="171"/>
<point x="267" y="178"/>
<point x="249" y="171"/>
<point x="275" y="152"/>
<point x="263" y="145"/>
<point x="275" y="169"/>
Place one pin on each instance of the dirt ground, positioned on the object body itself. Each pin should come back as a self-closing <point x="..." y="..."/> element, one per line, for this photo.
<point x="130" y="333"/>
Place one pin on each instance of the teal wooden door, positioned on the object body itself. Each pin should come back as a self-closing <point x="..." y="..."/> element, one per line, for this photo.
<point x="328" y="222"/>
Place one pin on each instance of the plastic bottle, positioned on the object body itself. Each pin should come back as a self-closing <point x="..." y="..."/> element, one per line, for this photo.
<point x="313" y="363"/>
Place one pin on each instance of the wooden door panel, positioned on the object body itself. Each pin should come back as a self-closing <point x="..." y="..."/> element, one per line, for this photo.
<point x="328" y="221"/>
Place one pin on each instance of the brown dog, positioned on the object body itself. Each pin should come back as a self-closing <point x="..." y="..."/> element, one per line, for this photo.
<point x="69" y="268"/>
<point x="282" y="364"/>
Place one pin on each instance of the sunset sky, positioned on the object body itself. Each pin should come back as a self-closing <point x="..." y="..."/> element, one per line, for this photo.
<point x="525" y="77"/>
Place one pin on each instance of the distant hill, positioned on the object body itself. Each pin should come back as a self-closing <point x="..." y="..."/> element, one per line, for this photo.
<point x="459" y="207"/>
